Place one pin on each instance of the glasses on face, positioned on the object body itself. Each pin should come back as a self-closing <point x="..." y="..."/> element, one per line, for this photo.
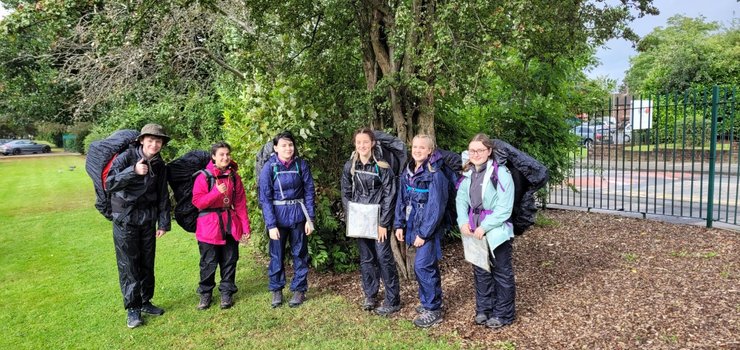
<point x="475" y="152"/>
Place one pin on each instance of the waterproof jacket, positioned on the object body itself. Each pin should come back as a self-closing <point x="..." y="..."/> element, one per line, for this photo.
<point x="280" y="183"/>
<point x="139" y="200"/>
<point x="421" y="200"/>
<point x="370" y="184"/>
<point x="211" y="205"/>
<point x="498" y="199"/>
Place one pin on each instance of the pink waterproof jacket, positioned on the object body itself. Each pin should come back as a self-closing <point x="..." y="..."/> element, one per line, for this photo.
<point x="208" y="229"/>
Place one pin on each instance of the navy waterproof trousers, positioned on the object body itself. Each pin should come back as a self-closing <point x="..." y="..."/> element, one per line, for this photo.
<point x="426" y="267"/>
<point x="376" y="262"/>
<point x="298" y="249"/>
<point x="495" y="291"/>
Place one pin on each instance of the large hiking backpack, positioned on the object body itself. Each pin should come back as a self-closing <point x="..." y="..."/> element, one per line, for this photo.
<point x="529" y="176"/>
<point x="99" y="158"/>
<point x="181" y="174"/>
<point x="390" y="149"/>
<point x="451" y="167"/>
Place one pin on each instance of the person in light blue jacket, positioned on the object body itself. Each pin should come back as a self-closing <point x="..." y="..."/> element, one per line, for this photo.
<point x="484" y="201"/>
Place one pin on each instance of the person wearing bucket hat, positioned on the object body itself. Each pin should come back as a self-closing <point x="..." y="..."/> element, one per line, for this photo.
<point x="137" y="184"/>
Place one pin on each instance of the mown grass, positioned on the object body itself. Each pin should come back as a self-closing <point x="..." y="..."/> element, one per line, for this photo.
<point x="60" y="284"/>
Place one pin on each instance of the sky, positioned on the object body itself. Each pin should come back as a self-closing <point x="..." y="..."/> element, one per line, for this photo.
<point x="615" y="55"/>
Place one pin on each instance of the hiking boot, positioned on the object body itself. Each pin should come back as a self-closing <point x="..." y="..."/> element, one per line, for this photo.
<point x="368" y="304"/>
<point x="149" y="308"/>
<point x="428" y="318"/>
<point x="419" y="309"/>
<point x="385" y="310"/>
<point x="205" y="301"/>
<point x="481" y="318"/>
<point x="226" y="301"/>
<point x="495" y="323"/>
<point x="297" y="299"/>
<point x="133" y="319"/>
<point x="277" y="298"/>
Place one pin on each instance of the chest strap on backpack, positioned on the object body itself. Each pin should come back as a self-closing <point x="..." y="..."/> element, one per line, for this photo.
<point x="416" y="189"/>
<point x="294" y="202"/>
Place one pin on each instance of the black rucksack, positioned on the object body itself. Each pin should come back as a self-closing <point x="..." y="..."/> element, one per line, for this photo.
<point x="390" y="149"/>
<point x="529" y="175"/>
<point x="181" y="174"/>
<point x="451" y="166"/>
<point x="98" y="161"/>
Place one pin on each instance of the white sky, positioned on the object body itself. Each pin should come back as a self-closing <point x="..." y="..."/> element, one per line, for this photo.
<point x="615" y="55"/>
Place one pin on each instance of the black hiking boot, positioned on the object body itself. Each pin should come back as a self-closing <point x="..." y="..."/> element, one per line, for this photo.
<point x="495" y="323"/>
<point x="297" y="299"/>
<point x="205" y="301"/>
<point x="133" y="318"/>
<point x="149" y="308"/>
<point x="277" y="298"/>
<point x="428" y="318"/>
<point x="368" y="304"/>
<point x="385" y="310"/>
<point x="226" y="301"/>
<point x="481" y="318"/>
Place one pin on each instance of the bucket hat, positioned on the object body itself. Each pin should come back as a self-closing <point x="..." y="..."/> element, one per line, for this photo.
<point x="154" y="130"/>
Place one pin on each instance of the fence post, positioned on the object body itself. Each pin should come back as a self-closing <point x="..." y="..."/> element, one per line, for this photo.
<point x="712" y="155"/>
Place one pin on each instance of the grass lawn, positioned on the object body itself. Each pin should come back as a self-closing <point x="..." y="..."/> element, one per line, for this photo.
<point x="61" y="289"/>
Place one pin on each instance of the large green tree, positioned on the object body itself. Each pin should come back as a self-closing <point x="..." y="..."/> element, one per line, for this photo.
<point x="688" y="52"/>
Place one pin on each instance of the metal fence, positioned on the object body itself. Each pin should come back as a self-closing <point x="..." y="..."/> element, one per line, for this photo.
<point x="673" y="154"/>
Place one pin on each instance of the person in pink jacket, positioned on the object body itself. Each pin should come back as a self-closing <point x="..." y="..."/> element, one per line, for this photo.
<point x="218" y="193"/>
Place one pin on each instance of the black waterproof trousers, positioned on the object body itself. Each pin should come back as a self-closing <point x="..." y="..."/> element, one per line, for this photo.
<point x="495" y="291"/>
<point x="376" y="262"/>
<point x="222" y="256"/>
<point x="135" y="248"/>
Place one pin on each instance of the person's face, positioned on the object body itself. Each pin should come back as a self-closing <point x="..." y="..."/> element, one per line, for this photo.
<point x="222" y="158"/>
<point x="420" y="149"/>
<point x="151" y="145"/>
<point x="363" y="145"/>
<point x="284" y="149"/>
<point x="478" y="152"/>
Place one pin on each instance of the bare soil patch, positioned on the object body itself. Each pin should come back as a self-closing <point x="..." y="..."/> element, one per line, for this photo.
<point x="596" y="281"/>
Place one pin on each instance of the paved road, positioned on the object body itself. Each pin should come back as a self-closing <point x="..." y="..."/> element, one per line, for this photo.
<point x="650" y="190"/>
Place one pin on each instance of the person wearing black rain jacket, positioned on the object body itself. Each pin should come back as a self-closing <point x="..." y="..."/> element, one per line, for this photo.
<point x="366" y="180"/>
<point x="140" y="203"/>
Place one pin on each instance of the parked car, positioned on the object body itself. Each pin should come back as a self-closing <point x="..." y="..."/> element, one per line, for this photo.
<point x="588" y="135"/>
<point x="23" y="146"/>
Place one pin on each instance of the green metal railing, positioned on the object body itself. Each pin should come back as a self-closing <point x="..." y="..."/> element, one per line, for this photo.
<point x="674" y="154"/>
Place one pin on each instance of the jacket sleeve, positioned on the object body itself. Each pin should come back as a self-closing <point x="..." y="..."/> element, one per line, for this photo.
<point x="399" y="220"/>
<point x="462" y="202"/>
<point x="387" y="203"/>
<point x="266" y="194"/>
<point x="434" y="210"/>
<point x="309" y="190"/>
<point x="240" y="205"/>
<point x="164" y="207"/>
<point x="503" y="203"/>
<point x="346" y="185"/>
<point x="121" y="173"/>
<point x="202" y="197"/>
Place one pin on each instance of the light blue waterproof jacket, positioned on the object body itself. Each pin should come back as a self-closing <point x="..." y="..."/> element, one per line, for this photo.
<point x="498" y="199"/>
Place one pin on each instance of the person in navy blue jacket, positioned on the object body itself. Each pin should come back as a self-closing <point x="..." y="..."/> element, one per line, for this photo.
<point x="286" y="194"/>
<point x="420" y="207"/>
